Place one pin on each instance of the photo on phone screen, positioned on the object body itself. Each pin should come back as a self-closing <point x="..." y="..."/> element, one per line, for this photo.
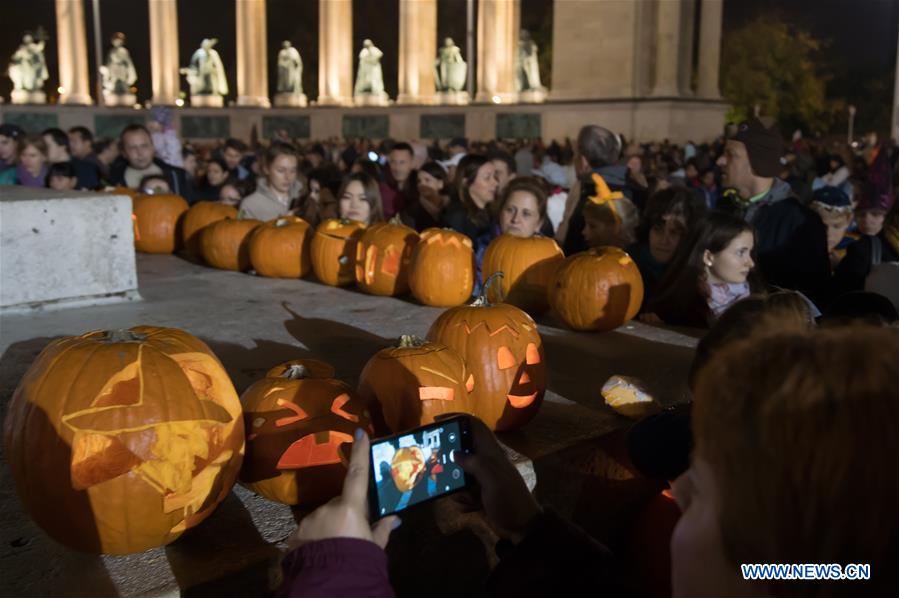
<point x="416" y="466"/>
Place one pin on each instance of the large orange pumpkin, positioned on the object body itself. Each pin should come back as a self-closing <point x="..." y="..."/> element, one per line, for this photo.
<point x="157" y="222"/>
<point x="382" y="258"/>
<point x="333" y="251"/>
<point x="296" y="418"/>
<point x="120" y="441"/>
<point x="280" y="248"/>
<point x="599" y="289"/>
<point x="199" y="216"/>
<point x="502" y="348"/>
<point x="442" y="267"/>
<point x="226" y="244"/>
<point x="411" y="383"/>
<point x="527" y="264"/>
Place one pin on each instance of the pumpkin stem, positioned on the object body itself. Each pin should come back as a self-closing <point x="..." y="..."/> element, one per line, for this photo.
<point x="296" y="371"/>
<point x="407" y="341"/>
<point x="482" y="300"/>
<point x="281" y="222"/>
<point x="123" y="335"/>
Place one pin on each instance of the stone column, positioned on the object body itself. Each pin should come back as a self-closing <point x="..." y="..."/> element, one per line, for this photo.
<point x="335" y="52"/>
<point x="418" y="51"/>
<point x="709" y="48"/>
<point x="252" y="45"/>
<point x="497" y="50"/>
<point x="72" y="47"/>
<point x="668" y="26"/>
<point x="164" y="51"/>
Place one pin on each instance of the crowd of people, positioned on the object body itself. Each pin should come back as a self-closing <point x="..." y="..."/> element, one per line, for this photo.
<point x="749" y="236"/>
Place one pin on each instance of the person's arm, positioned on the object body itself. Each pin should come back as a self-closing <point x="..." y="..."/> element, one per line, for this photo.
<point x="335" y="550"/>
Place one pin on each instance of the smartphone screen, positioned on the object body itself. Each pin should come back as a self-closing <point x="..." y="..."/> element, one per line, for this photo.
<point x="417" y="466"/>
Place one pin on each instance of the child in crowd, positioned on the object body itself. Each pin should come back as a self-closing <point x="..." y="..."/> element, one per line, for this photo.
<point x="610" y="218"/>
<point x="62" y="177"/>
<point x="835" y="210"/>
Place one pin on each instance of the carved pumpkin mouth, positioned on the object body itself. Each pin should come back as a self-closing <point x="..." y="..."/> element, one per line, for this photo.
<point x="308" y="452"/>
<point x="521" y="401"/>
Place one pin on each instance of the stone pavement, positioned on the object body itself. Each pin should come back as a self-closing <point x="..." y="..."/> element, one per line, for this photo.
<point x="252" y="323"/>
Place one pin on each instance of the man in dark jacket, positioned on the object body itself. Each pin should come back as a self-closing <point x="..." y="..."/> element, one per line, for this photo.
<point x="58" y="152"/>
<point x="791" y="240"/>
<point x="139" y="160"/>
<point x="598" y="150"/>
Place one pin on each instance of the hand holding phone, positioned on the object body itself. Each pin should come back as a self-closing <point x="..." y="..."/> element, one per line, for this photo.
<point x="346" y="516"/>
<point x="418" y="465"/>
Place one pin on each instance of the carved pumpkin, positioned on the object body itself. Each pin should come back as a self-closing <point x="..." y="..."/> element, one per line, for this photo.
<point x="157" y="222"/>
<point x="296" y="418"/>
<point x="408" y="385"/>
<point x="280" y="248"/>
<point x="528" y="265"/>
<point x="120" y="441"/>
<point x="502" y="348"/>
<point x="599" y="289"/>
<point x="199" y="216"/>
<point x="407" y="467"/>
<point x="226" y="244"/>
<point x="382" y="259"/>
<point x="442" y="268"/>
<point x="333" y="251"/>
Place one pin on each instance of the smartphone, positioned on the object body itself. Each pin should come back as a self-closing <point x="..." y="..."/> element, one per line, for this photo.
<point x="417" y="466"/>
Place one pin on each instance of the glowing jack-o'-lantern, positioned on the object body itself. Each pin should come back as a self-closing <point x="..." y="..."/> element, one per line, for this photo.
<point x="410" y="384"/>
<point x="226" y="244"/>
<point x="296" y="419"/>
<point x="333" y="251"/>
<point x="407" y="467"/>
<point x="599" y="289"/>
<point x="382" y="259"/>
<point x="120" y="441"/>
<point x="199" y="216"/>
<point x="158" y="220"/>
<point x="502" y="348"/>
<point x="280" y="248"/>
<point x="442" y="268"/>
<point x="528" y="265"/>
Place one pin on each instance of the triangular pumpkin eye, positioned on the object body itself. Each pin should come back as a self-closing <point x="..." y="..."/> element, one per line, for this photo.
<point x="525" y="379"/>
<point x="469" y="384"/>
<point x="504" y="358"/>
<point x="290" y="419"/>
<point x="532" y="354"/>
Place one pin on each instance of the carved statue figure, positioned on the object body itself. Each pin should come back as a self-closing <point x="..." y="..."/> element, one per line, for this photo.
<point x="28" y="69"/>
<point x="527" y="69"/>
<point x="290" y="70"/>
<point x="118" y="73"/>
<point x="206" y="74"/>
<point x="450" y="68"/>
<point x="369" y="78"/>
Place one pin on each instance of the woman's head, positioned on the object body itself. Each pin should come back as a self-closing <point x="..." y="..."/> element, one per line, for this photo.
<point x="523" y="207"/>
<point x="433" y="176"/>
<point x="475" y="182"/>
<point x="280" y="166"/>
<point x="670" y="215"/>
<point x="216" y="172"/>
<point x="33" y="154"/>
<point x="360" y="199"/>
<point x="764" y="486"/>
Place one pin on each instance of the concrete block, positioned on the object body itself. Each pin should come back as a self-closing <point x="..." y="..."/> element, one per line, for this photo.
<point x="64" y="249"/>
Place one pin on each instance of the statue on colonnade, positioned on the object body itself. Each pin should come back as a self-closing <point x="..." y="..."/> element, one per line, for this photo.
<point x="28" y="70"/>
<point x="451" y="69"/>
<point x="206" y="76"/>
<point x="118" y="74"/>
<point x="290" y="77"/>
<point x="527" y="70"/>
<point x="369" y="88"/>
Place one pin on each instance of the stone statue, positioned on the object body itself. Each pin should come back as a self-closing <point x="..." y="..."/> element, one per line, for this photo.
<point x="290" y="69"/>
<point x="527" y="68"/>
<point x="450" y="68"/>
<point x="369" y="87"/>
<point x="206" y="75"/>
<point x="28" y="70"/>
<point x="118" y="74"/>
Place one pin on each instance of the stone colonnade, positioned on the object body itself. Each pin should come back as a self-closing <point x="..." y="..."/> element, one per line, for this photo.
<point x="599" y="50"/>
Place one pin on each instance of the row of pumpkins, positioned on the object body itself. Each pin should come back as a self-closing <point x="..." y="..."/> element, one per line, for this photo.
<point x="120" y="441"/>
<point x="598" y="289"/>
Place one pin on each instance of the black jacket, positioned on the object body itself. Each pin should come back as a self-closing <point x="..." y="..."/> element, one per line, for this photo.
<point x="177" y="177"/>
<point x="856" y="264"/>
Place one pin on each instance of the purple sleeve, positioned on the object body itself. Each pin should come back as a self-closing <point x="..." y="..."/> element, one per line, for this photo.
<point x="336" y="567"/>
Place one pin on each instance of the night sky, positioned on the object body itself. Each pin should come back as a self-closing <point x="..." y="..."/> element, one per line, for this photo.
<point x="862" y="33"/>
